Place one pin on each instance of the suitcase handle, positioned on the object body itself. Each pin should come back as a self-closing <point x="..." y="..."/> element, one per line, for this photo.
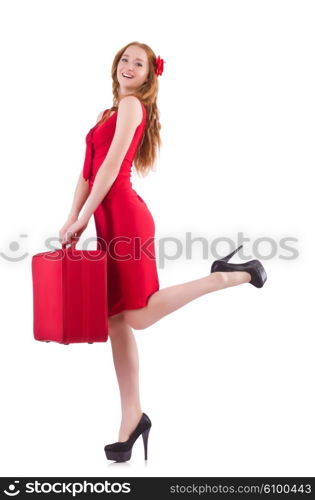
<point x="73" y="243"/>
<point x="64" y="245"/>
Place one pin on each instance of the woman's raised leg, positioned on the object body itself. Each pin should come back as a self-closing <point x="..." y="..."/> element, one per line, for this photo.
<point x="170" y="299"/>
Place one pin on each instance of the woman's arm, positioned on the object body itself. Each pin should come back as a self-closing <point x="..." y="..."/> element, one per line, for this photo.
<point x="80" y="196"/>
<point x="129" y="116"/>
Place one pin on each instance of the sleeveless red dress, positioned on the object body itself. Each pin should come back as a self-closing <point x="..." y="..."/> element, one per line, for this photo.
<point x="124" y="225"/>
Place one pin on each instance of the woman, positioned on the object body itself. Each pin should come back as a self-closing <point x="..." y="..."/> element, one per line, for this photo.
<point x="125" y="228"/>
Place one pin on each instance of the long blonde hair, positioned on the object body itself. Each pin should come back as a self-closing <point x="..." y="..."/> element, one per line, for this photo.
<point x="150" y="144"/>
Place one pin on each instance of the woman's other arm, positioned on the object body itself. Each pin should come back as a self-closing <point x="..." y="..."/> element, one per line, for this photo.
<point x="80" y="195"/>
<point x="81" y="192"/>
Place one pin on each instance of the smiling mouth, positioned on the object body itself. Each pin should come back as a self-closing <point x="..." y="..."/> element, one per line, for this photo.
<point x="129" y="77"/>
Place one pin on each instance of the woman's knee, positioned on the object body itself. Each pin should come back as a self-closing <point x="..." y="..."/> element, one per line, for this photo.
<point x="115" y="318"/>
<point x="128" y="318"/>
<point x="132" y="319"/>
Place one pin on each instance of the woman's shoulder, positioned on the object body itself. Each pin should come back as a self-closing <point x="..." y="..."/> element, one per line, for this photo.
<point x="132" y="104"/>
<point x="131" y="100"/>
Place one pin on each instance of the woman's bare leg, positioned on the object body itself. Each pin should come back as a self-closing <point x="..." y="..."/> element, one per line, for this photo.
<point x="170" y="299"/>
<point x="126" y="362"/>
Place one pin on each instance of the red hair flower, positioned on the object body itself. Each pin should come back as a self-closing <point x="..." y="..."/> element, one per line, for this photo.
<point x="159" y="65"/>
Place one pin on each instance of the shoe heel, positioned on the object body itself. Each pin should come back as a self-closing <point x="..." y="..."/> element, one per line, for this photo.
<point x="145" y="436"/>
<point x="227" y="258"/>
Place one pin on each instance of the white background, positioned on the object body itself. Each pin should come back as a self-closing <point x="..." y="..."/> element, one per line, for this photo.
<point x="227" y="380"/>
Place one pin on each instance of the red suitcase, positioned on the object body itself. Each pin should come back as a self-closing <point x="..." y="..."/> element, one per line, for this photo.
<point x="70" y="296"/>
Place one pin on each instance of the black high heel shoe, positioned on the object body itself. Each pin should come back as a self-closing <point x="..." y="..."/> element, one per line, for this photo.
<point x="121" y="450"/>
<point x="253" y="267"/>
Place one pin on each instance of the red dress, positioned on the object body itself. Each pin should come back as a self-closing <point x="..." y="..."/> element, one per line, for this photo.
<point x="124" y="225"/>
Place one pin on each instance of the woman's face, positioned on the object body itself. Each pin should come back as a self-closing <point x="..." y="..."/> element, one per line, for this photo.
<point x="134" y="63"/>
